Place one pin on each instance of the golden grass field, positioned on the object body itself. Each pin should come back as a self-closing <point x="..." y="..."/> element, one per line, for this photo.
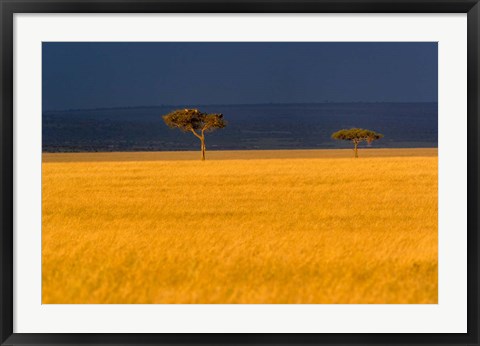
<point x="314" y="226"/>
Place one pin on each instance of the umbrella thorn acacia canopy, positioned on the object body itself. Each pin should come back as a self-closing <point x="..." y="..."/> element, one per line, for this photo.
<point x="194" y="120"/>
<point x="357" y="135"/>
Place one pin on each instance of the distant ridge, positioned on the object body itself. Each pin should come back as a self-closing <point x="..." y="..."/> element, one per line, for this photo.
<point x="231" y="105"/>
<point x="251" y="127"/>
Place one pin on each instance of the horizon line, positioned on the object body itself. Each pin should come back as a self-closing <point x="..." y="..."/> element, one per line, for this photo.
<point x="229" y="105"/>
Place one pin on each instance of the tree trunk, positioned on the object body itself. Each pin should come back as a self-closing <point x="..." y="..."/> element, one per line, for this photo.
<point x="356" y="149"/>
<point x="203" y="147"/>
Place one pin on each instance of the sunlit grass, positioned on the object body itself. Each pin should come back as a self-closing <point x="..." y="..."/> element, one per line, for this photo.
<point x="313" y="230"/>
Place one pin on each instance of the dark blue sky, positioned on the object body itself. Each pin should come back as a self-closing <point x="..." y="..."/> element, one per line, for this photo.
<point x="92" y="75"/>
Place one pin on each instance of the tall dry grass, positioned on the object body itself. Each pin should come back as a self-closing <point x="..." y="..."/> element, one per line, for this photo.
<point x="259" y="231"/>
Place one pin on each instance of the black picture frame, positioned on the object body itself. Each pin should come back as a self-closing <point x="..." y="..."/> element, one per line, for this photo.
<point x="9" y="7"/>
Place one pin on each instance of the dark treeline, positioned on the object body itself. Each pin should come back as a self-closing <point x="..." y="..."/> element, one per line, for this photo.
<point x="259" y="126"/>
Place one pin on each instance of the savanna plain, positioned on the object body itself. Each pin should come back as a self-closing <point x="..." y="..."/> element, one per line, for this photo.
<point x="301" y="226"/>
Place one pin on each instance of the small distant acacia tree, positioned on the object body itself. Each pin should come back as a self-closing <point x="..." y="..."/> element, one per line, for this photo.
<point x="357" y="136"/>
<point x="196" y="122"/>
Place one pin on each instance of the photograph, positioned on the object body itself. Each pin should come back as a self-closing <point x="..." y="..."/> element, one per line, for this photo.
<point x="239" y="172"/>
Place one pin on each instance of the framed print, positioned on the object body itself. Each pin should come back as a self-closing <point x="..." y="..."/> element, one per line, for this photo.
<point x="239" y="172"/>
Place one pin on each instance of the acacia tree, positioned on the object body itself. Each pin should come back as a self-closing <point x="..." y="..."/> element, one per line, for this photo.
<point x="192" y="120"/>
<point x="357" y="136"/>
